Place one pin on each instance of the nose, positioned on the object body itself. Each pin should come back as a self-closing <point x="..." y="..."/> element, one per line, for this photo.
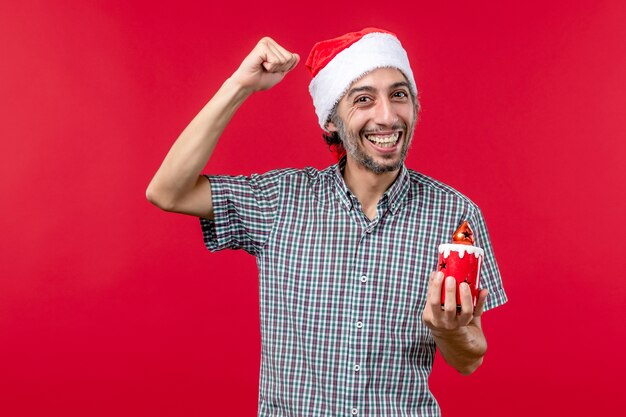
<point x="385" y="113"/>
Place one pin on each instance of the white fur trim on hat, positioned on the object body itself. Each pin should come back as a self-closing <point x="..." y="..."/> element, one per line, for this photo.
<point x="372" y="51"/>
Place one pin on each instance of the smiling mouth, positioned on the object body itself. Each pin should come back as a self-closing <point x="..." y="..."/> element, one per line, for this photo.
<point x="384" y="141"/>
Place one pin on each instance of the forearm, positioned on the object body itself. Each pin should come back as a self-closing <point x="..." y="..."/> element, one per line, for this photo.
<point x="462" y="348"/>
<point x="192" y="150"/>
<point x="177" y="185"/>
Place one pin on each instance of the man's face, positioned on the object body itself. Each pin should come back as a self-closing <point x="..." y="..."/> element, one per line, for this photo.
<point x="375" y="120"/>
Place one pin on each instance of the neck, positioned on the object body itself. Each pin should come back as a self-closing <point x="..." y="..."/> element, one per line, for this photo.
<point x="368" y="187"/>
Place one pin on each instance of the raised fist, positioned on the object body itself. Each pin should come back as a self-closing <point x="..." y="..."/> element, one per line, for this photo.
<point x="265" y="66"/>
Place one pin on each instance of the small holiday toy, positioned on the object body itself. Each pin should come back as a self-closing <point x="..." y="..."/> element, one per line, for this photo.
<point x="461" y="260"/>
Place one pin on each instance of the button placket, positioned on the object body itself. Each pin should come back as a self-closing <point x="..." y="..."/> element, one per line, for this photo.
<point x="361" y="293"/>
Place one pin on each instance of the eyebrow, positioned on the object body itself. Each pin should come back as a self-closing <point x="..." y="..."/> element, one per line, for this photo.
<point x="373" y="90"/>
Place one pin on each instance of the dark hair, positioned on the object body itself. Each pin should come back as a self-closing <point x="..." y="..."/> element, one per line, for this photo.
<point x="332" y="139"/>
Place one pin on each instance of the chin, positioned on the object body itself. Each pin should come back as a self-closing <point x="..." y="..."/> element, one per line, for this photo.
<point x="377" y="167"/>
<point x="382" y="165"/>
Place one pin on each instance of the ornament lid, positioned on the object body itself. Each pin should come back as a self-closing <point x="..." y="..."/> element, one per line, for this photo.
<point x="463" y="235"/>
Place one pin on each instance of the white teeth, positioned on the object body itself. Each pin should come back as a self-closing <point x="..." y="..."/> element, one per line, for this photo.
<point x="385" y="141"/>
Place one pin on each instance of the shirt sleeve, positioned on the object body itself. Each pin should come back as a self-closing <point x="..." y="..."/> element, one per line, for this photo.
<point x="489" y="274"/>
<point x="245" y="210"/>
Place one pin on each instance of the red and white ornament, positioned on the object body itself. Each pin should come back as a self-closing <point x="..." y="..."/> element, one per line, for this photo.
<point x="461" y="260"/>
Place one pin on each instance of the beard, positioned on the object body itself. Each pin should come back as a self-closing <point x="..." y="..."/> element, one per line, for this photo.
<point x="354" y="148"/>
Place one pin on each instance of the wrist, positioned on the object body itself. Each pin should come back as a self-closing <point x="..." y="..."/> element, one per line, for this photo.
<point x="453" y="335"/>
<point x="235" y="85"/>
<point x="471" y="340"/>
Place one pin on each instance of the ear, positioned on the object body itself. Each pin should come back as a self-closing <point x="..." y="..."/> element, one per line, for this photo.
<point x="331" y="127"/>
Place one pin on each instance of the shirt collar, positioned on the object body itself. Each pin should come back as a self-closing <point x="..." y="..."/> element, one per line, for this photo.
<point x="343" y="193"/>
<point x="395" y="195"/>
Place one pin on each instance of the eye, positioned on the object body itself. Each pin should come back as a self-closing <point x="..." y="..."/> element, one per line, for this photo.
<point x="400" y="94"/>
<point x="362" y="100"/>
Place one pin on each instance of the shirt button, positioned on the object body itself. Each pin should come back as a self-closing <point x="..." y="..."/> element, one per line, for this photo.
<point x="357" y="368"/>
<point x="363" y="278"/>
<point x="359" y="324"/>
<point x="355" y="411"/>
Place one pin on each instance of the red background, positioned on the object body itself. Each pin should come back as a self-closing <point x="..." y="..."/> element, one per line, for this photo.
<point x="110" y="307"/>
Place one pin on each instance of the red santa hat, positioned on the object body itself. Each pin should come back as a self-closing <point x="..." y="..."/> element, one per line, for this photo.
<point x="336" y="63"/>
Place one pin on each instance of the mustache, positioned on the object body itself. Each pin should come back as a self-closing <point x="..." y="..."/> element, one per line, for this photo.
<point x="395" y="126"/>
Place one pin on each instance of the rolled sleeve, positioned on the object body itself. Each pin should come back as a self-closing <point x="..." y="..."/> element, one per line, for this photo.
<point x="490" y="273"/>
<point x="244" y="212"/>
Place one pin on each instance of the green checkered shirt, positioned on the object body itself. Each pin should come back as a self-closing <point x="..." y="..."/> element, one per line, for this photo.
<point x="341" y="296"/>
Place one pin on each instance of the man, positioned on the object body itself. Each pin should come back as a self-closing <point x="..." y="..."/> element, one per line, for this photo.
<point x="351" y="313"/>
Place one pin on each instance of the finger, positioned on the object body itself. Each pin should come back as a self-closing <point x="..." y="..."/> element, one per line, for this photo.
<point x="295" y="58"/>
<point x="434" y="289"/>
<point x="467" y="306"/>
<point x="434" y="292"/>
<point x="271" y="60"/>
<point x="432" y="312"/>
<point x="287" y="60"/>
<point x="266" y="41"/>
<point x="291" y="61"/>
<point x="292" y="58"/>
<point x="427" y="313"/>
<point x="480" y="304"/>
<point x="431" y="279"/>
<point x="281" y="49"/>
<point x="282" y="59"/>
<point x="449" y="306"/>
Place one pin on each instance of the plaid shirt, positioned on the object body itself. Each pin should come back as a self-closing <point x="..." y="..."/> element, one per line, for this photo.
<point x="341" y="296"/>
